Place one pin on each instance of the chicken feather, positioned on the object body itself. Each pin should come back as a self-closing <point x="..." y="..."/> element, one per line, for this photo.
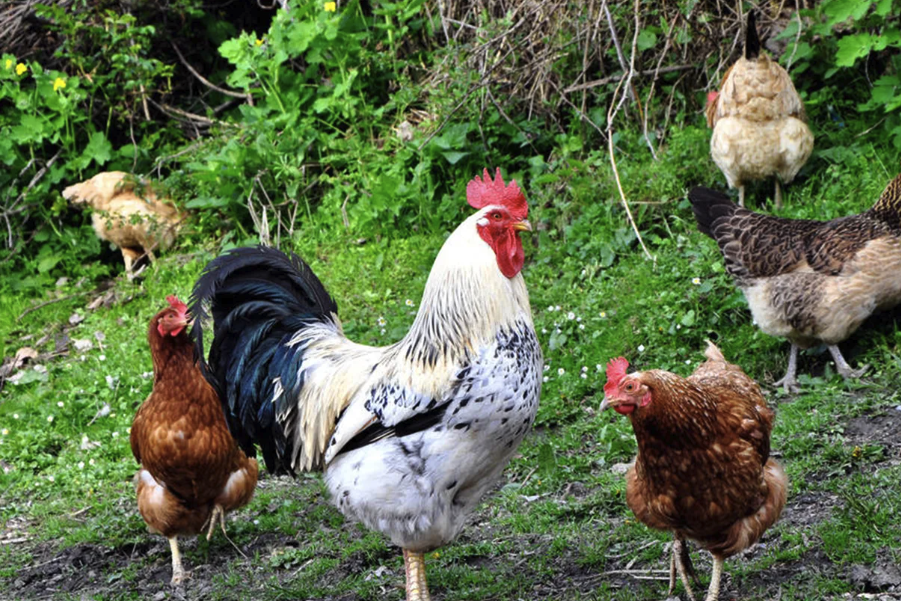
<point x="809" y="281"/>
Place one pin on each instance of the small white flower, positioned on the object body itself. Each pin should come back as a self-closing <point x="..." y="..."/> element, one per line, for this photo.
<point x="581" y="326"/>
<point x="545" y="379"/>
<point x="640" y="348"/>
<point x="256" y="522"/>
<point x="688" y="362"/>
<point x="381" y="321"/>
<point x="584" y="368"/>
<point x="60" y="404"/>
<point x="90" y="462"/>
<point x="583" y="376"/>
<point x="557" y="308"/>
<point x="115" y="434"/>
<point x="578" y="319"/>
<point x="560" y="371"/>
<point x="4" y="431"/>
<point x="83" y="358"/>
<point x="147" y="374"/>
<point x="599" y="367"/>
<point x="584" y="272"/>
<point x="678" y="326"/>
<point x="81" y="465"/>
<point x="128" y="430"/>
<point x="51" y="478"/>
<point x="570" y="316"/>
<point x="408" y="302"/>
<point x="40" y="369"/>
<point x="15" y="416"/>
<point x="557" y="330"/>
<point x="111" y="382"/>
<point x="696" y="281"/>
<point x="50" y="418"/>
<point x="550" y="309"/>
<point x="102" y="357"/>
<point x="603" y="314"/>
<point x="544" y="330"/>
<point x="382" y="331"/>
<point x="546" y="367"/>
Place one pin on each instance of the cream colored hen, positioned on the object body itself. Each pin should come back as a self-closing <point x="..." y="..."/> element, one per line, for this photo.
<point x="758" y="120"/>
<point x="127" y="213"/>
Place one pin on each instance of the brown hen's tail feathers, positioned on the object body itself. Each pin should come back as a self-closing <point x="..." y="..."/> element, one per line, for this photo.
<point x="713" y="353"/>
<point x="747" y="531"/>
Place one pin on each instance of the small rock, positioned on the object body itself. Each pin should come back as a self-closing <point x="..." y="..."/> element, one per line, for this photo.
<point x="620" y="468"/>
<point x="76" y="319"/>
<point x="82" y="345"/>
<point x="159" y="596"/>
<point x="62" y="282"/>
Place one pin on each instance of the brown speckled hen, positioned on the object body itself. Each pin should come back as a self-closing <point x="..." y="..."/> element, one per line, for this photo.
<point x="809" y="281"/>
<point x="758" y="120"/>
<point x="192" y="470"/>
<point x="703" y="469"/>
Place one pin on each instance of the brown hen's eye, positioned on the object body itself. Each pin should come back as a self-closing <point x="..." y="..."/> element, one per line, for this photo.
<point x="630" y="387"/>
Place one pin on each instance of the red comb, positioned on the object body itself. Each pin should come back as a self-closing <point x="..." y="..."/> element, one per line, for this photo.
<point x="616" y="371"/>
<point x="483" y="192"/>
<point x="177" y="304"/>
<point x="712" y="95"/>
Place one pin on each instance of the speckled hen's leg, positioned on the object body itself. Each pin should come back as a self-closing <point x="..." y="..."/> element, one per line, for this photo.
<point x="414" y="563"/>
<point x="741" y="196"/>
<point x="789" y="380"/>
<point x="842" y="366"/>
<point x="679" y="554"/>
<point x="714" y="591"/>
<point x="178" y="572"/>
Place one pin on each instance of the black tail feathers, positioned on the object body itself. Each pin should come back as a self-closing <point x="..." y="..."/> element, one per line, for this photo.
<point x="708" y="205"/>
<point x="259" y="299"/>
<point x="752" y="42"/>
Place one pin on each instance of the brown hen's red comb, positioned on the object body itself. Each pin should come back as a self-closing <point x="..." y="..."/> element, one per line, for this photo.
<point x="616" y="371"/>
<point x="483" y="192"/>
<point x="177" y="304"/>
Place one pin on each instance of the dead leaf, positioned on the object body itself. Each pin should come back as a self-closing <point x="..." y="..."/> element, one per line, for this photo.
<point x="76" y="319"/>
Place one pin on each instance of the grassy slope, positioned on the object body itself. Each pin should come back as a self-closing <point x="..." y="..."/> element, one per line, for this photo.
<point x="559" y="527"/>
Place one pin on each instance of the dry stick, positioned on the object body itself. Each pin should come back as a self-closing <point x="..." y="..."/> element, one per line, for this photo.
<point x="52" y="301"/>
<point x="613" y="78"/>
<point x="611" y="114"/>
<point x="246" y="96"/>
<point x="619" y="50"/>
<point x="791" y="58"/>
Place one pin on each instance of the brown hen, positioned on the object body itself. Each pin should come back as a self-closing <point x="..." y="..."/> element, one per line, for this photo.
<point x="758" y="120"/>
<point x="192" y="471"/>
<point x="703" y="469"/>
<point x="809" y="281"/>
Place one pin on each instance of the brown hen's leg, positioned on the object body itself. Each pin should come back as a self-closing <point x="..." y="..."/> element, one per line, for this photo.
<point x="714" y="591"/>
<point x="778" y="195"/>
<point x="741" y="196"/>
<point x="218" y="515"/>
<point x="414" y="564"/>
<point x="789" y="380"/>
<point x="678" y="559"/>
<point x="842" y="366"/>
<point x="178" y="572"/>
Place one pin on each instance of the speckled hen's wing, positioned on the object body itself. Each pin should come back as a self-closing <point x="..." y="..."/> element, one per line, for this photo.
<point x="755" y="245"/>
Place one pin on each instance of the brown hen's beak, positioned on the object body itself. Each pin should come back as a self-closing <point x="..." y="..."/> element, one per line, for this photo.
<point x="605" y="404"/>
<point x="523" y="226"/>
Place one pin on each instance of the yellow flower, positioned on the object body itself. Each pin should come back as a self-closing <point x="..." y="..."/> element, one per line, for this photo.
<point x="330" y="7"/>
<point x="259" y="42"/>
<point x="9" y="63"/>
<point x="59" y="83"/>
<point x="20" y="69"/>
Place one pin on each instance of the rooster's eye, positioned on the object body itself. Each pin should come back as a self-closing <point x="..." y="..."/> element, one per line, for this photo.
<point x="496" y="216"/>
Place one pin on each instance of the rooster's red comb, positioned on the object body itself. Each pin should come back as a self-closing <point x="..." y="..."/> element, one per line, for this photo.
<point x="483" y="192"/>
<point x="176" y="304"/>
<point x="616" y="371"/>
<point x="712" y="95"/>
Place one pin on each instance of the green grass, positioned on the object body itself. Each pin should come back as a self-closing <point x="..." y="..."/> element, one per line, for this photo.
<point x="558" y="527"/>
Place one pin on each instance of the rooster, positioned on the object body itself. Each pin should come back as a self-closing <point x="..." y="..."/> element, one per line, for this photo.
<point x="192" y="471"/>
<point x="703" y="469"/>
<point x="410" y="436"/>
<point x="758" y="120"/>
<point x="127" y="213"/>
<point x="809" y="281"/>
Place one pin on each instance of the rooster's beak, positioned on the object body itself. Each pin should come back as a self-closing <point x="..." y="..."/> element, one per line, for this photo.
<point x="605" y="404"/>
<point x="523" y="226"/>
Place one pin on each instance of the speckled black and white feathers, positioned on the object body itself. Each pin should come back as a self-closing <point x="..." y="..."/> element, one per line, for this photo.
<point x="259" y="298"/>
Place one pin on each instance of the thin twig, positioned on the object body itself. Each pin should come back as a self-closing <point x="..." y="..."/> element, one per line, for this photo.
<point x="245" y="95"/>
<point x="50" y="302"/>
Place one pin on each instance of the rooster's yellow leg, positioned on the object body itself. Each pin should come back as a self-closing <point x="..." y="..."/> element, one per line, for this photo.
<point x="414" y="564"/>
<point x="679" y="555"/>
<point x="778" y="195"/>
<point x="178" y="572"/>
<point x="714" y="591"/>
